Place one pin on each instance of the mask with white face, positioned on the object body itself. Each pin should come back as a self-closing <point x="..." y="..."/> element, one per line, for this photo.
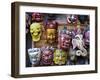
<point x="34" y="55"/>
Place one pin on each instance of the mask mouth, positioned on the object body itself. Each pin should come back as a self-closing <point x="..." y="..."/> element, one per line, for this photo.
<point x="36" y="33"/>
<point x="49" y="61"/>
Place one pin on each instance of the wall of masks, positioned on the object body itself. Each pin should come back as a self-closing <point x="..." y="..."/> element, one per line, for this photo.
<point x="57" y="39"/>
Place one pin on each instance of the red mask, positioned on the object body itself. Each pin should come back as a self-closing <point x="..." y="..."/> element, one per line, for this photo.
<point x="64" y="39"/>
<point x="47" y="57"/>
<point x="37" y="17"/>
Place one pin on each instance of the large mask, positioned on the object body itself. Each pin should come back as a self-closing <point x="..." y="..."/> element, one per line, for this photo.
<point x="64" y="39"/>
<point x="51" y="31"/>
<point x="37" y="17"/>
<point x="60" y="57"/>
<point x="34" y="55"/>
<point x="47" y="57"/>
<point x="35" y="30"/>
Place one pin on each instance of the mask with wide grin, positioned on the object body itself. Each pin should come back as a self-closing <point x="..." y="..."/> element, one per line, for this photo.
<point x="35" y="30"/>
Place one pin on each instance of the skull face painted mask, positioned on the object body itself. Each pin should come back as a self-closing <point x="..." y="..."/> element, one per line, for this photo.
<point x="34" y="55"/>
<point x="35" y="30"/>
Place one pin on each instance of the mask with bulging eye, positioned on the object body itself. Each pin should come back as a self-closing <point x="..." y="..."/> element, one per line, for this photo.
<point x="36" y="31"/>
<point x="64" y="39"/>
<point x="60" y="57"/>
<point x="51" y="31"/>
<point x="47" y="57"/>
<point x="34" y="55"/>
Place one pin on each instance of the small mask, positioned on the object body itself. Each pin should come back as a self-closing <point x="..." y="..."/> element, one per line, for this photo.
<point x="51" y="31"/>
<point x="37" y="17"/>
<point x="34" y="55"/>
<point x="60" y="57"/>
<point x="47" y="57"/>
<point x="35" y="30"/>
<point x="71" y="19"/>
<point x="64" y="39"/>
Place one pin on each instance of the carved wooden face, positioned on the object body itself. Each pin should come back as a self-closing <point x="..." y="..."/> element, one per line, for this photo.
<point x="51" y="31"/>
<point x="35" y="30"/>
<point x="37" y="17"/>
<point x="47" y="57"/>
<point x="60" y="57"/>
<point x="64" y="40"/>
<point x="34" y="55"/>
<point x="51" y="35"/>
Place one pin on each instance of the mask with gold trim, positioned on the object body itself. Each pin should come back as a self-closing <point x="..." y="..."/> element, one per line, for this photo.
<point x="51" y="31"/>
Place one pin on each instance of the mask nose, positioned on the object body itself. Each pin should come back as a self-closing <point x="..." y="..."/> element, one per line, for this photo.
<point x="51" y="36"/>
<point x="60" y="58"/>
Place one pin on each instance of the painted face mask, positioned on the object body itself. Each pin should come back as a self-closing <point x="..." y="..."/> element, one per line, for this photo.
<point x="71" y="19"/>
<point x="64" y="39"/>
<point x="51" y="31"/>
<point x="34" y="55"/>
<point x="60" y="57"/>
<point x="37" y="17"/>
<point x="35" y="30"/>
<point x="47" y="57"/>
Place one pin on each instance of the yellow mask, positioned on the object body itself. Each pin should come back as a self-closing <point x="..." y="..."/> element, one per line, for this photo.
<point x="51" y="35"/>
<point x="35" y="30"/>
<point x="60" y="57"/>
